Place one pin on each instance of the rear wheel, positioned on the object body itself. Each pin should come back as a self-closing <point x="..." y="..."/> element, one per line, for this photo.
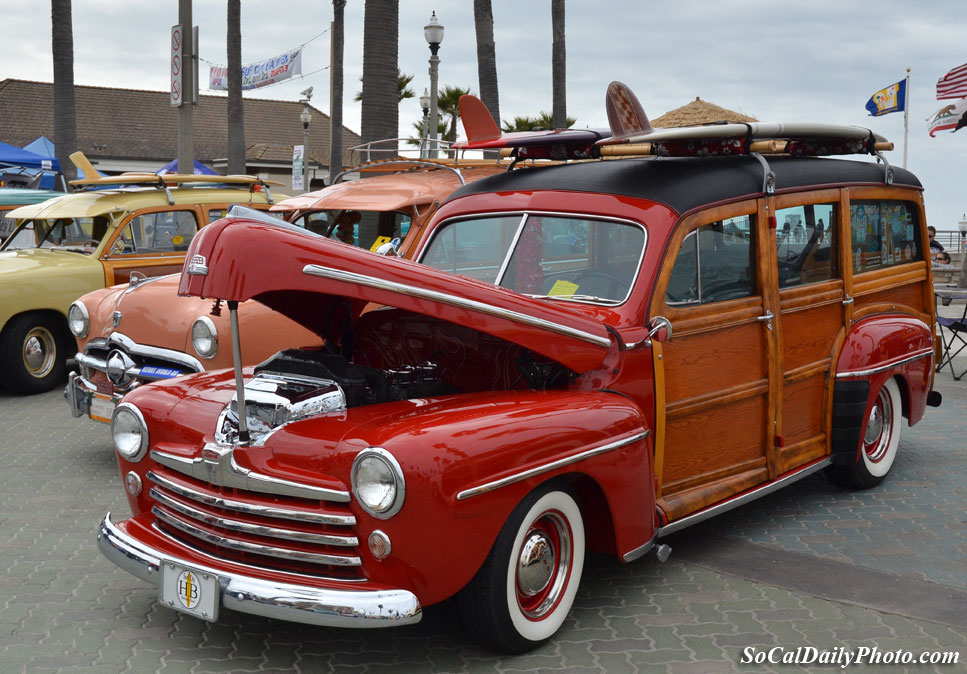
<point x="878" y="446"/>
<point x="526" y="587"/>
<point x="32" y="354"/>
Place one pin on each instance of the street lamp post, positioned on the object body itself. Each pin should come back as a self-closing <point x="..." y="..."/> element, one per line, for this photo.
<point x="305" y="116"/>
<point x="963" y="233"/>
<point x="433" y="32"/>
<point x="425" y="104"/>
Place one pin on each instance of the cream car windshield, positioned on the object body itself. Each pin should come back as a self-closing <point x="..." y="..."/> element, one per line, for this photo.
<point x="77" y="235"/>
<point x="556" y="257"/>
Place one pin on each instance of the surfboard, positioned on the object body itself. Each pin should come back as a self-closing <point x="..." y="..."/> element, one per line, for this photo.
<point x="170" y="179"/>
<point x="484" y="134"/>
<point x="630" y="125"/>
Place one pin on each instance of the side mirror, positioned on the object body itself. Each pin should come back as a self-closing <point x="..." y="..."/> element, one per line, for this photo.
<point x="389" y="248"/>
<point x="660" y="329"/>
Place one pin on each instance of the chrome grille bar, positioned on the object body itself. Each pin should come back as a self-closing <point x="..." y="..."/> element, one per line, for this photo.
<point x="252" y="529"/>
<point x="254" y="548"/>
<point x="249" y="508"/>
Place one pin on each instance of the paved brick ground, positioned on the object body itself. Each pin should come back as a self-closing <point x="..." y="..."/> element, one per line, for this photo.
<point x="66" y="609"/>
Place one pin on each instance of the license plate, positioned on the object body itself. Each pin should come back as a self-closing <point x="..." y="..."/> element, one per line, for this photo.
<point x="100" y="407"/>
<point x="190" y="591"/>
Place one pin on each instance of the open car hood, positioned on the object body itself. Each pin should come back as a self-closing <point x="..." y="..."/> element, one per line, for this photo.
<point x="310" y="279"/>
<point x="393" y="192"/>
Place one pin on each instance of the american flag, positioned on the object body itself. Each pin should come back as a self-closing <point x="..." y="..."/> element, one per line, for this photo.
<point x="953" y="84"/>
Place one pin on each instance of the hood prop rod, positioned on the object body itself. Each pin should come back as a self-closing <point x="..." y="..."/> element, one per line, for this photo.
<point x="243" y="438"/>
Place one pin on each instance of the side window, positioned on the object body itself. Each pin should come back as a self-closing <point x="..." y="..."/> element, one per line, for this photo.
<point x="215" y="214"/>
<point x="474" y="248"/>
<point x="163" y="232"/>
<point x="883" y="233"/>
<point x="806" y="244"/>
<point x="714" y="263"/>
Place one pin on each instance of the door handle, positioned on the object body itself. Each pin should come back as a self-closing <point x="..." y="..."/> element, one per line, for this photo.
<point x="848" y="301"/>
<point x="766" y="318"/>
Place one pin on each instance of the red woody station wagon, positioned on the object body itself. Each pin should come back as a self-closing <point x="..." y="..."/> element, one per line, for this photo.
<point x="587" y="357"/>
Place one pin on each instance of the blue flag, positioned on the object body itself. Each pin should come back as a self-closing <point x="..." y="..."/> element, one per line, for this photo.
<point x="891" y="99"/>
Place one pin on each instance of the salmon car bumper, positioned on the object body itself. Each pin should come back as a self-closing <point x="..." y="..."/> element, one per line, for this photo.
<point x="282" y="601"/>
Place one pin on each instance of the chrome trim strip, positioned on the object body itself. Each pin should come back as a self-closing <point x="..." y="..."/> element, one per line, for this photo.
<point x="280" y="601"/>
<point x="250" y="508"/>
<point x="121" y="340"/>
<point x="554" y="465"/>
<point x="232" y="475"/>
<point x="742" y="499"/>
<point x="453" y="300"/>
<point x="253" y="529"/>
<point x="924" y="353"/>
<point x="638" y="552"/>
<point x="513" y="246"/>
<point x="281" y="553"/>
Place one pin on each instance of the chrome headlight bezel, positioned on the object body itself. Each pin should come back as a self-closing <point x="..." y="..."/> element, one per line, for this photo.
<point x="388" y="468"/>
<point x="129" y="450"/>
<point x="208" y="325"/>
<point x="77" y="313"/>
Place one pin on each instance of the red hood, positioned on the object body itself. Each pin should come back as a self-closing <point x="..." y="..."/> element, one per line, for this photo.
<point x="306" y="277"/>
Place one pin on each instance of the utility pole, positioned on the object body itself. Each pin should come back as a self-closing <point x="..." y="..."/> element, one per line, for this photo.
<point x="188" y="95"/>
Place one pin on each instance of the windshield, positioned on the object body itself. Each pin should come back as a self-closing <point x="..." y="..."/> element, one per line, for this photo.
<point x="557" y="257"/>
<point x="78" y="235"/>
<point x="365" y="229"/>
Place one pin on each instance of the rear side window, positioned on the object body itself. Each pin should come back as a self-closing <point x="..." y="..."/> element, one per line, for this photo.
<point x="714" y="263"/>
<point x="884" y="233"/>
<point x="806" y="244"/>
<point x="163" y="232"/>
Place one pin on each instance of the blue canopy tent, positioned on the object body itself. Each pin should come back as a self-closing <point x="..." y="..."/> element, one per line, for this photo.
<point x="200" y="169"/>
<point x="30" y="168"/>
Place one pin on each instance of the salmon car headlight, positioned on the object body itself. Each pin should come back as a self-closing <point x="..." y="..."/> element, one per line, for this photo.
<point x="129" y="431"/>
<point x="78" y="320"/>
<point x="377" y="481"/>
<point x="204" y="337"/>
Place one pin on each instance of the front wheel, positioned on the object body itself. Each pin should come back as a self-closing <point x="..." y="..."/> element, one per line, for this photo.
<point x="878" y="446"/>
<point x="526" y="587"/>
<point x="32" y="354"/>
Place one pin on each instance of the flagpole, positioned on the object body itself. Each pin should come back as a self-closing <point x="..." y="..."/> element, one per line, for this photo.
<point x="906" y="117"/>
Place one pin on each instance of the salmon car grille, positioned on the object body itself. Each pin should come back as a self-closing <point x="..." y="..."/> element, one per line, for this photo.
<point x="279" y="532"/>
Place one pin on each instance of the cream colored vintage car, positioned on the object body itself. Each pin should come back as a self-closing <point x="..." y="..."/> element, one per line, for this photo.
<point x="141" y="332"/>
<point x="139" y="226"/>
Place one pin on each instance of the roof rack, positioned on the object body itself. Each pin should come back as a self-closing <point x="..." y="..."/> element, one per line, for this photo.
<point x="163" y="181"/>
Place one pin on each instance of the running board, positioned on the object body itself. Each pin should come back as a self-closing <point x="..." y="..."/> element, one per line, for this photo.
<point x="741" y="499"/>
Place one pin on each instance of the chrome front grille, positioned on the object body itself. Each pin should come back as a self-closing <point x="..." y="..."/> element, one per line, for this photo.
<point x="280" y="532"/>
<point x="127" y="363"/>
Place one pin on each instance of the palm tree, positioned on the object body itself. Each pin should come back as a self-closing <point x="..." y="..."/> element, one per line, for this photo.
<point x="335" y="105"/>
<point x="65" y="113"/>
<point x="381" y="93"/>
<point x="558" y="65"/>
<point x="448" y="103"/>
<point x="483" y="19"/>
<point x="402" y="83"/>
<point x="236" y="112"/>
<point x="542" y="122"/>
<point x="420" y="127"/>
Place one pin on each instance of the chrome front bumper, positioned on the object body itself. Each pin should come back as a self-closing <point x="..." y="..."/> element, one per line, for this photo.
<point x="283" y="601"/>
<point x="76" y="394"/>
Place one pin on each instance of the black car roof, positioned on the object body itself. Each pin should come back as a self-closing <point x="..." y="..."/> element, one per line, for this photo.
<point x="684" y="183"/>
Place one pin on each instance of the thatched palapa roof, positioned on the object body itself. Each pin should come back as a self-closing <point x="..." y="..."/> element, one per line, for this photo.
<point x="699" y="112"/>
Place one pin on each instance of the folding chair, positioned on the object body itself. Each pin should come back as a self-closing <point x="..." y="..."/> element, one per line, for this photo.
<point x="952" y="335"/>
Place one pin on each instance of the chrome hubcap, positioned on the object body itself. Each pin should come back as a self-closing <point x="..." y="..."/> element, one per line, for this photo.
<point x="536" y="564"/>
<point x="876" y="440"/>
<point x="39" y="352"/>
<point x="543" y="565"/>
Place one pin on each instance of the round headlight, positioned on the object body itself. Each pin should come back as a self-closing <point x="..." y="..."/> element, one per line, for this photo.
<point x="204" y="337"/>
<point x="129" y="431"/>
<point x="377" y="481"/>
<point x="78" y="320"/>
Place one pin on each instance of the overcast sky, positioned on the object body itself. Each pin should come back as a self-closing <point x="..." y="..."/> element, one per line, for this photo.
<point x="777" y="61"/>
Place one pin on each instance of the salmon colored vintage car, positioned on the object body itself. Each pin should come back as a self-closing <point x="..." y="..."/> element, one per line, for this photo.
<point x="590" y="357"/>
<point x="131" y="334"/>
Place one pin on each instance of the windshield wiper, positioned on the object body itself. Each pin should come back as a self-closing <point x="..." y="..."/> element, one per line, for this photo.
<point x="584" y="298"/>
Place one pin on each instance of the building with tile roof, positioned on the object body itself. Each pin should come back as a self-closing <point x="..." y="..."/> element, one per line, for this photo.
<point x="135" y="130"/>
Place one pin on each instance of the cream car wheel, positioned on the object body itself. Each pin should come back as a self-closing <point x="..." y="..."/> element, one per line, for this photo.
<point x="32" y="353"/>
